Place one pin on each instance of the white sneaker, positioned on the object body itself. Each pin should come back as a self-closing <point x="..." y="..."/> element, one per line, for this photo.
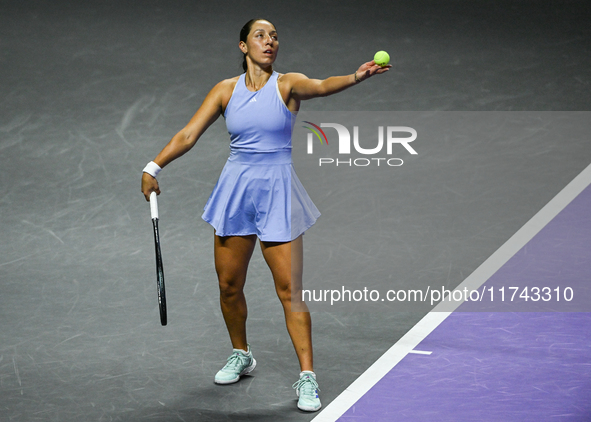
<point x="307" y="391"/>
<point x="238" y="364"/>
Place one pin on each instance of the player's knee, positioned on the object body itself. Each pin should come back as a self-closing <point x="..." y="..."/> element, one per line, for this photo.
<point x="230" y="287"/>
<point x="284" y="293"/>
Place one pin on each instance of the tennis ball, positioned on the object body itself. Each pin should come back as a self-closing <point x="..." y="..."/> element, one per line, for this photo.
<point x="381" y="58"/>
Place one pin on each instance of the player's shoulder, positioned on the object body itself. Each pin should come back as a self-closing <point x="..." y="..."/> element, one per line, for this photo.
<point x="288" y="80"/>
<point x="227" y="84"/>
<point x="291" y="76"/>
<point x="223" y="90"/>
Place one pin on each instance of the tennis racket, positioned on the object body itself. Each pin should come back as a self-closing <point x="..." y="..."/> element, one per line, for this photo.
<point x="159" y="267"/>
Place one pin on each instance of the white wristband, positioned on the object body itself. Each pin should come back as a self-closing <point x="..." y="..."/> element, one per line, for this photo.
<point x="152" y="169"/>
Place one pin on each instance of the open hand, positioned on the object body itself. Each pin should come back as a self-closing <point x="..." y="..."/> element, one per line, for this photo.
<point x="369" y="69"/>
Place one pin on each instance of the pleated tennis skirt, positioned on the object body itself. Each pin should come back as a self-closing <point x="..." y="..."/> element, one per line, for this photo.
<point x="260" y="193"/>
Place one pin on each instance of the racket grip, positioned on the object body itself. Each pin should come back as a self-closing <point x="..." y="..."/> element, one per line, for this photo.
<point x="154" y="205"/>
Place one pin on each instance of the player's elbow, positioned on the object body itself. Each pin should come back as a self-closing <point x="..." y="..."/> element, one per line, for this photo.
<point x="322" y="89"/>
<point x="185" y="139"/>
<point x="323" y="92"/>
<point x="190" y="139"/>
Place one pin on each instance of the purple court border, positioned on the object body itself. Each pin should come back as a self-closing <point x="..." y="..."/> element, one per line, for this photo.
<point x="441" y="312"/>
<point x="489" y="367"/>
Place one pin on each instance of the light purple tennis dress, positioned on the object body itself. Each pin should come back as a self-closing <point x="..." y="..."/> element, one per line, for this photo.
<point x="258" y="191"/>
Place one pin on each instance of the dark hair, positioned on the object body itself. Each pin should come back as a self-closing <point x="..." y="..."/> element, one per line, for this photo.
<point x="244" y="35"/>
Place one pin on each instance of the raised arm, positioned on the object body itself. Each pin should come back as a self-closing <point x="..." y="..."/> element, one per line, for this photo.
<point x="186" y="138"/>
<point x="303" y="88"/>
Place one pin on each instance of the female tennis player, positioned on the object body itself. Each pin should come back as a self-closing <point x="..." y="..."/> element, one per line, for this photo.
<point x="258" y="194"/>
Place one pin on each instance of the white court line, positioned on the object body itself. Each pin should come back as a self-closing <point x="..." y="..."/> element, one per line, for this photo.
<point x="434" y="318"/>
<point x="420" y="352"/>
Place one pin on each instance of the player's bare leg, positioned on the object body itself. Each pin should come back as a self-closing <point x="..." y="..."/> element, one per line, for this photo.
<point x="232" y="255"/>
<point x="286" y="263"/>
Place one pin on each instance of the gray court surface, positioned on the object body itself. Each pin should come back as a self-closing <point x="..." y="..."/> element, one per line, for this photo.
<point x="91" y="91"/>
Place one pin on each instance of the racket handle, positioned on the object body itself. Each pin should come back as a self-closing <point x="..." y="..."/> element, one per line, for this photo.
<point x="154" y="205"/>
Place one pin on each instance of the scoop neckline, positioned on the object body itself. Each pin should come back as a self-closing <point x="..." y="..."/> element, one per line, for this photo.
<point x="261" y="88"/>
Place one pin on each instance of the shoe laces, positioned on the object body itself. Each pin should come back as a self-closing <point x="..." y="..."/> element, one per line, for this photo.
<point x="306" y="386"/>
<point x="235" y="360"/>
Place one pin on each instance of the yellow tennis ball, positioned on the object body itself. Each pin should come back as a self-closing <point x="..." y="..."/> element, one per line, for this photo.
<point x="381" y="58"/>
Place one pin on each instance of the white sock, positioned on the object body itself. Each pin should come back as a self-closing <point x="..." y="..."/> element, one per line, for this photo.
<point x="308" y="372"/>
<point x="246" y="352"/>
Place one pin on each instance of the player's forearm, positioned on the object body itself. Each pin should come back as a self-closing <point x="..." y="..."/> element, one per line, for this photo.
<point x="336" y="84"/>
<point x="178" y="146"/>
<point x="187" y="137"/>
